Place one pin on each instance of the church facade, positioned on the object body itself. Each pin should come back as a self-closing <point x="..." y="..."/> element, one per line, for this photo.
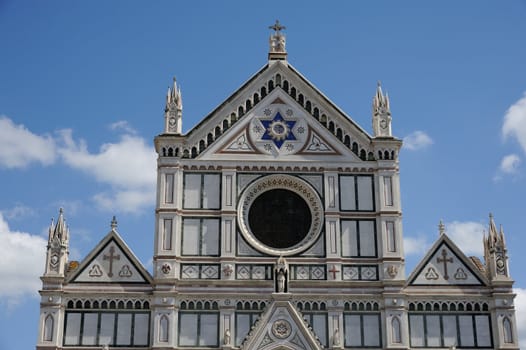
<point x="278" y="226"/>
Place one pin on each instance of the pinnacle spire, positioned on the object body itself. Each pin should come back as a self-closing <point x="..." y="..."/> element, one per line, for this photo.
<point x="173" y="111"/>
<point x="381" y="113"/>
<point x="113" y="223"/>
<point x="441" y="227"/>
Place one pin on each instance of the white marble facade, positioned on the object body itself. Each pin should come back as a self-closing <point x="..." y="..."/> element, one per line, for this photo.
<point x="278" y="226"/>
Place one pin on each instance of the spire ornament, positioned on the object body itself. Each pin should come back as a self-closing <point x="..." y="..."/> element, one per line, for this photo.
<point x="381" y="113"/>
<point x="173" y="111"/>
<point x="441" y="227"/>
<point x="277" y="43"/>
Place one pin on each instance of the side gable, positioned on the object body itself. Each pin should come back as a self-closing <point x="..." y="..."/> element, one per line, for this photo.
<point x="446" y="265"/>
<point x="111" y="261"/>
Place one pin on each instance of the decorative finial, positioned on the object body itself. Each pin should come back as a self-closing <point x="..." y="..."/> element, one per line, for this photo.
<point x="113" y="223"/>
<point x="381" y="113"/>
<point x="277" y="27"/>
<point x="277" y="49"/>
<point x="441" y="228"/>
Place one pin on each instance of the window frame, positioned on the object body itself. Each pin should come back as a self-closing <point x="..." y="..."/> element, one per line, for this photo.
<point x="201" y="190"/>
<point x="197" y="342"/>
<point x="115" y="314"/>
<point x="200" y="233"/>
<point x="356" y="195"/>
<point x="362" y="330"/>
<point x="358" y="238"/>
<point x="458" y="343"/>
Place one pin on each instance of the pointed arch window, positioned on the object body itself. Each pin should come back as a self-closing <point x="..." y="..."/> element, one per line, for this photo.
<point x="49" y="324"/>
<point x="163" y="329"/>
<point x="506" y="326"/>
<point x="396" y="330"/>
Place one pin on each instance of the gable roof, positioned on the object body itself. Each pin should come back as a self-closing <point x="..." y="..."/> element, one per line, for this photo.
<point x="281" y="325"/>
<point x="255" y="91"/>
<point x="446" y="265"/>
<point x="111" y="261"/>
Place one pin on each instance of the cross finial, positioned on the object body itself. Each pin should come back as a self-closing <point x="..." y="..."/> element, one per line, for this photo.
<point x="441" y="227"/>
<point x="277" y="27"/>
<point x="113" y="223"/>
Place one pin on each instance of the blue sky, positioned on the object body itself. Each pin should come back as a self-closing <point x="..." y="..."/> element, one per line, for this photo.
<point x="82" y="89"/>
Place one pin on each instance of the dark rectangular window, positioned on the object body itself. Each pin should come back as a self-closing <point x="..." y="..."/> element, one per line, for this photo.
<point x="244" y="321"/>
<point x="356" y="193"/>
<point x="199" y="329"/>
<point x="99" y="328"/>
<point x="362" y="330"/>
<point x="202" y="191"/>
<point x="358" y="238"/>
<point x="318" y="323"/>
<point x="200" y="236"/>
<point x="463" y="330"/>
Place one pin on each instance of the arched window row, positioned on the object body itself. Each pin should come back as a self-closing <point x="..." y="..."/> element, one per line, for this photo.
<point x="130" y="304"/>
<point x="280" y="168"/>
<point x="448" y="306"/>
<point x="199" y="305"/>
<point x="251" y="305"/>
<point x="361" y="306"/>
<point x="386" y="154"/>
<point x="311" y="305"/>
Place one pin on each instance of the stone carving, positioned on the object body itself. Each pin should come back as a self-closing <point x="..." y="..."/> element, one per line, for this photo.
<point x="95" y="271"/>
<point x="316" y="145"/>
<point x="460" y="274"/>
<point x="166" y="268"/>
<point x="281" y="329"/>
<point x="281" y="273"/>
<point x="125" y="271"/>
<point x="336" y="337"/>
<point x="240" y="144"/>
<point x="226" y="337"/>
<point x="431" y="274"/>
<point x="227" y="270"/>
<point x="392" y="271"/>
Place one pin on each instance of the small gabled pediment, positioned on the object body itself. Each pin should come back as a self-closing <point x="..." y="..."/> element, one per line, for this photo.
<point x="446" y="265"/>
<point x="111" y="262"/>
<point x="281" y="326"/>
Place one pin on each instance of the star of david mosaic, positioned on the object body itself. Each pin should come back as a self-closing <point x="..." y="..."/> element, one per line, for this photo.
<point x="278" y="130"/>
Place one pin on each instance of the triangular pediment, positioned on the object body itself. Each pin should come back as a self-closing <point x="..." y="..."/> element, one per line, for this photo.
<point x="238" y="127"/>
<point x="281" y="326"/>
<point x="110" y="262"/>
<point x="446" y="265"/>
<point x="278" y="128"/>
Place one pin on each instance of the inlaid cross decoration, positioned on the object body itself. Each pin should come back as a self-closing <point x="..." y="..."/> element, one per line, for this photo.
<point x="111" y="257"/>
<point x="444" y="259"/>
<point x="333" y="270"/>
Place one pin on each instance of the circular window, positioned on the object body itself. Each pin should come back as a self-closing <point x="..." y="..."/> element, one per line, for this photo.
<point x="280" y="215"/>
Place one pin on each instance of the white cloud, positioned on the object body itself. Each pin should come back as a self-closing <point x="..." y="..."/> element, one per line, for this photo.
<point x="520" y="314"/>
<point x="128" y="166"/>
<point x="515" y="122"/>
<point x="510" y="164"/>
<point x="22" y="258"/>
<point x="467" y="235"/>
<point x="415" y="246"/>
<point x="19" y="211"/>
<point x="123" y="125"/>
<point x="417" y="140"/>
<point x="19" y="147"/>
<point x="127" y="201"/>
